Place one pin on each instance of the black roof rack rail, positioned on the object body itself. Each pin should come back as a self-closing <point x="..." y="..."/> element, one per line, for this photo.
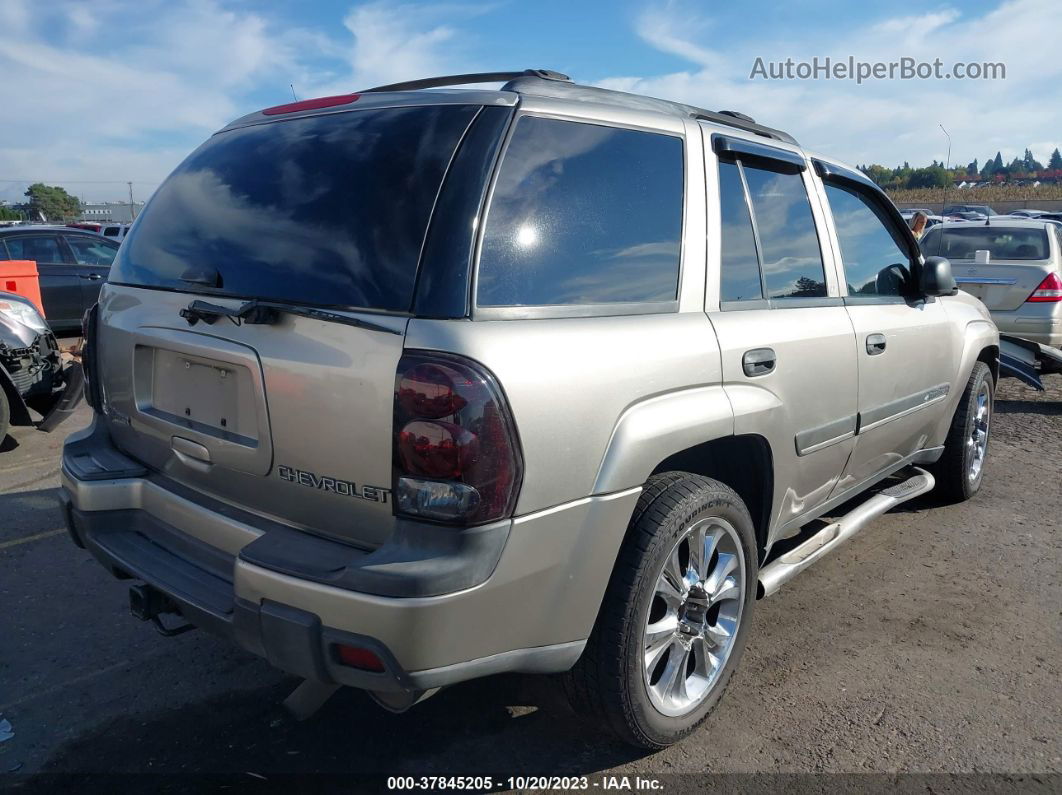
<point x="467" y="79"/>
<point x="731" y="118"/>
<point x="546" y="82"/>
<point x="738" y="115"/>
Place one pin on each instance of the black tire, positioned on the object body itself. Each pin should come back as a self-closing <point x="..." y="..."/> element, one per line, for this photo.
<point x="5" y="415"/>
<point x="608" y="684"/>
<point x="955" y="479"/>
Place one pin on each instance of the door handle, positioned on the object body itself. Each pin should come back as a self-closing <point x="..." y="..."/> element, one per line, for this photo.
<point x="93" y="276"/>
<point x="875" y="344"/>
<point x="758" y="361"/>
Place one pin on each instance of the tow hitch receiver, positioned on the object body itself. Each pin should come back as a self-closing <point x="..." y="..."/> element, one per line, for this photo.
<point x="147" y="604"/>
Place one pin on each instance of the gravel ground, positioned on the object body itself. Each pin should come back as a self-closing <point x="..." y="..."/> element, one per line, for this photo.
<point x="931" y="643"/>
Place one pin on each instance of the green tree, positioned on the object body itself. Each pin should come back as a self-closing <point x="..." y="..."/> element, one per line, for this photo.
<point x="53" y="201"/>
<point x="1055" y="163"/>
<point x="1030" y="162"/>
<point x="972" y="168"/>
<point x="997" y="163"/>
<point x="933" y="177"/>
<point x="878" y="174"/>
<point x="989" y="168"/>
<point x="7" y="214"/>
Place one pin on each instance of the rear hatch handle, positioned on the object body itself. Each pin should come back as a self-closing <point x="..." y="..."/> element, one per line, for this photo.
<point x="268" y="312"/>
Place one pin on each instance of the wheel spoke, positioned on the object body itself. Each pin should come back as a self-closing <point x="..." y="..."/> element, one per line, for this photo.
<point x="669" y="592"/>
<point x="726" y="565"/>
<point x="705" y="662"/>
<point x="719" y="634"/>
<point x="654" y="653"/>
<point x="728" y="589"/>
<point x="673" y="572"/>
<point x="698" y="560"/>
<point x="672" y="682"/>
<point x="660" y="631"/>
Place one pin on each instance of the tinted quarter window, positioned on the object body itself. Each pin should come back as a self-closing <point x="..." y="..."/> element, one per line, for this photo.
<point x="583" y="214"/>
<point x="328" y="210"/>
<point x="789" y="244"/>
<point x="42" y="248"/>
<point x="740" y="268"/>
<point x="874" y="263"/>
<point x="91" y="251"/>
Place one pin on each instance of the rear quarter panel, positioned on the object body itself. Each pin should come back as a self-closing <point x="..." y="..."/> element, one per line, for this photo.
<point x="572" y="381"/>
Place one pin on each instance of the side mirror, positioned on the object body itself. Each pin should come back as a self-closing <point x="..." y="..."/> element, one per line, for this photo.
<point x="936" y="277"/>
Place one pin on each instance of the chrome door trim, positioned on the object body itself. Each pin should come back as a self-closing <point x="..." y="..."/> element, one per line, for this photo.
<point x="832" y="433"/>
<point x="893" y="410"/>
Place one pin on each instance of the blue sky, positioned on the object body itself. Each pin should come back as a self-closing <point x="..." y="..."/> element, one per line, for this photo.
<point x="99" y="93"/>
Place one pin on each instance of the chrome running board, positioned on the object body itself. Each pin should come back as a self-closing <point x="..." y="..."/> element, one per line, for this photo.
<point x="789" y="565"/>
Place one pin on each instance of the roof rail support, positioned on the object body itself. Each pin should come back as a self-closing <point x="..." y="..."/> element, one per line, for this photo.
<point x="467" y="79"/>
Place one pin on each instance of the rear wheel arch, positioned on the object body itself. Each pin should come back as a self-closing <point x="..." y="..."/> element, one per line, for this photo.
<point x="744" y="462"/>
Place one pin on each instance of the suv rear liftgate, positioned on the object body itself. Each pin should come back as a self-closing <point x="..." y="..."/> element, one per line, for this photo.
<point x="262" y="299"/>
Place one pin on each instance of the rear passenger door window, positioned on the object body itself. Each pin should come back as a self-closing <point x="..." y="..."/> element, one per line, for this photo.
<point x="92" y="250"/>
<point x="789" y="242"/>
<point x="875" y="262"/>
<point x="583" y="214"/>
<point x="769" y="242"/>
<point x="740" y="267"/>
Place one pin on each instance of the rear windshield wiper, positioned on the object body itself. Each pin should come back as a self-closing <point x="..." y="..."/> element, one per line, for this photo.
<point x="268" y="312"/>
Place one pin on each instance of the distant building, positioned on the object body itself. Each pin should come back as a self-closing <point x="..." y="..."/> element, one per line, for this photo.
<point x="118" y="212"/>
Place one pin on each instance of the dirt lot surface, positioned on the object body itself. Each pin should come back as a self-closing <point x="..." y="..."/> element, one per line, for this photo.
<point x="930" y="643"/>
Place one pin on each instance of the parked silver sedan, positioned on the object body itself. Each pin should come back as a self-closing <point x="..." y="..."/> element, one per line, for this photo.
<point x="1013" y="265"/>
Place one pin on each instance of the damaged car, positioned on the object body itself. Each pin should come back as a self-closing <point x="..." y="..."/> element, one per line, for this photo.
<point x="33" y="376"/>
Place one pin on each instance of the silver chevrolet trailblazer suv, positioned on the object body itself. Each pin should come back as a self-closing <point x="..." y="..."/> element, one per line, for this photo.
<point x="406" y="387"/>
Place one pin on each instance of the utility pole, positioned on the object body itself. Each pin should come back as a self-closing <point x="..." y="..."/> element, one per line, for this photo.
<point x="132" y="213"/>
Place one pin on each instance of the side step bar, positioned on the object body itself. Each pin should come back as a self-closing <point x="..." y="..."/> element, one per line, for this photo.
<point x="778" y="572"/>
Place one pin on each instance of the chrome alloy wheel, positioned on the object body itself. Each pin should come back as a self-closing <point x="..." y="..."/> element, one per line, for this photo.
<point x="693" y="616"/>
<point x="978" y="439"/>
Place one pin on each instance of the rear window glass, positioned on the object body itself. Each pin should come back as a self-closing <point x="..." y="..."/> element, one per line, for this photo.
<point x="1003" y="243"/>
<point x="583" y="214"/>
<point x="328" y="210"/>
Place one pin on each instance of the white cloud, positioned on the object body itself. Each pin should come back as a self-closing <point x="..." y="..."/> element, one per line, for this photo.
<point x="122" y="90"/>
<point x="879" y="121"/>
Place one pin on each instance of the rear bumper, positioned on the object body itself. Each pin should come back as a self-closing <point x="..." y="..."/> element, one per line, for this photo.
<point x="1042" y="324"/>
<point x="526" y="603"/>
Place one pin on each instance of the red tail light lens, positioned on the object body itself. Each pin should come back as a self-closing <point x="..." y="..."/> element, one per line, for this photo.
<point x="430" y="390"/>
<point x="312" y="104"/>
<point x="437" y="449"/>
<point x="1050" y="290"/>
<point x="357" y="657"/>
<point x="456" y="455"/>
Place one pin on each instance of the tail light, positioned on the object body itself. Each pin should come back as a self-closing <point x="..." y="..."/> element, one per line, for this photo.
<point x="1050" y="290"/>
<point x="456" y="456"/>
<point x="88" y="358"/>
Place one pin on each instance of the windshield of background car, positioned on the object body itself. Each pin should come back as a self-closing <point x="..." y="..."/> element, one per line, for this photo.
<point x="1002" y="243"/>
<point x="328" y="210"/>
